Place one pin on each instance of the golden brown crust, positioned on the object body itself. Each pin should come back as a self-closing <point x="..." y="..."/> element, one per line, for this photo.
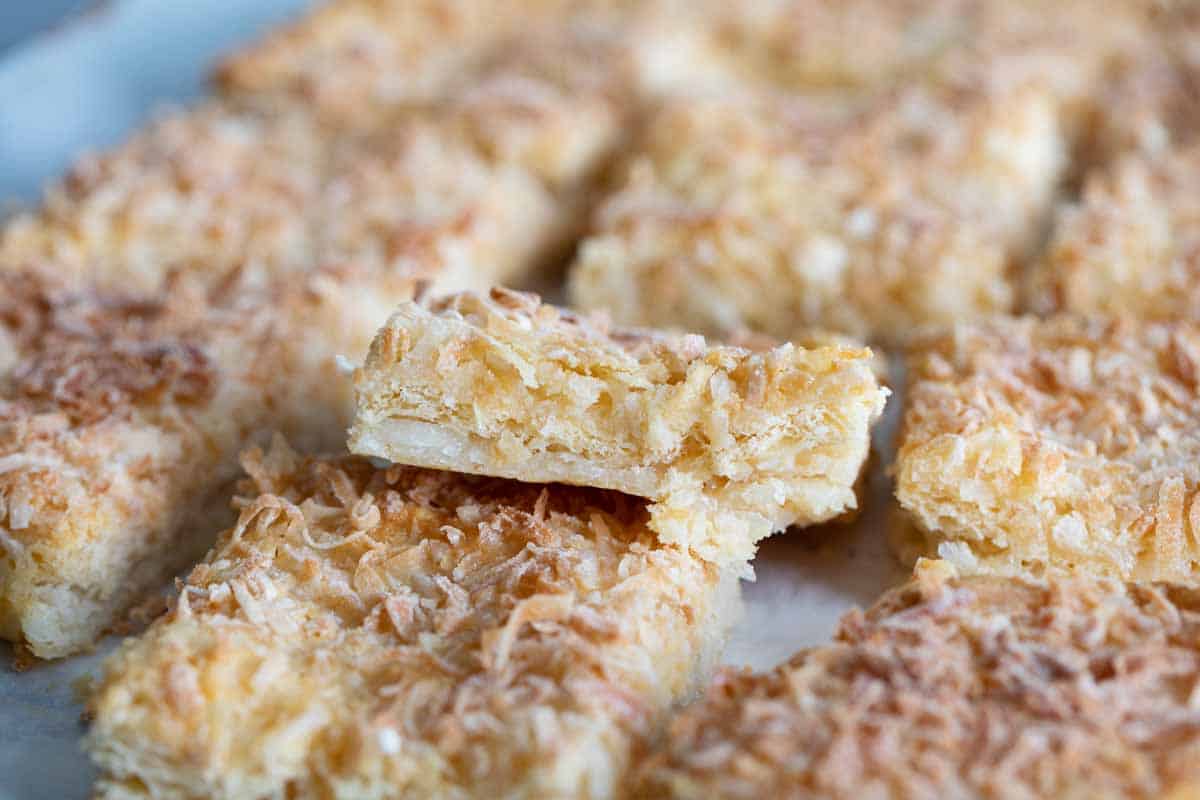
<point x="403" y="632"/>
<point x="1063" y="445"/>
<point x="731" y="444"/>
<point x="99" y="404"/>
<point x="961" y="687"/>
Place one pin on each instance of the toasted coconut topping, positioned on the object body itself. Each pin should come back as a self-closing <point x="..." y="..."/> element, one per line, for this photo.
<point x="90" y="354"/>
<point x="424" y="631"/>
<point x="221" y="194"/>
<point x="961" y="687"/>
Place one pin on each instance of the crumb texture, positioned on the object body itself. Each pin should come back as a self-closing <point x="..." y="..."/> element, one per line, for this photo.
<point x="1062" y="445"/>
<point x="366" y="632"/>
<point x="971" y="687"/>
<point x="863" y="167"/>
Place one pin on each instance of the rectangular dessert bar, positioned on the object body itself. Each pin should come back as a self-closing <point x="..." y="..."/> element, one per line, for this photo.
<point x="865" y="214"/>
<point x="398" y="632"/>
<point x="731" y="444"/>
<point x="218" y="191"/>
<point x="960" y="687"/>
<point x="121" y="417"/>
<point x="1059" y="446"/>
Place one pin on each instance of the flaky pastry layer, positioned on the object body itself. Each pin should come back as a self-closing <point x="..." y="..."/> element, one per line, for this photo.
<point x="731" y="444"/>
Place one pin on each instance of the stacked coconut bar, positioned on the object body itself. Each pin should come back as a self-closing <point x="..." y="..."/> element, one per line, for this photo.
<point x="731" y="444"/>
<point x="432" y="632"/>
<point x="539" y="632"/>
